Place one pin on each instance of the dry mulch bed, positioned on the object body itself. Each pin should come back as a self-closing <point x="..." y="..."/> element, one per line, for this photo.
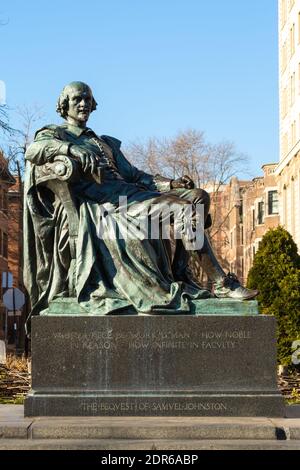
<point x="289" y="385"/>
<point x="14" y="380"/>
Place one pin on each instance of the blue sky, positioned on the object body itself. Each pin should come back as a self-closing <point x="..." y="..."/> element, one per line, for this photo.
<point x="156" y="67"/>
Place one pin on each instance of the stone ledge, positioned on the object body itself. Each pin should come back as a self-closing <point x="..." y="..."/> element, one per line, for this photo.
<point x="143" y="429"/>
<point x="146" y="433"/>
<point x="154" y="404"/>
<point x="14" y="429"/>
<point x="152" y="445"/>
<point x="292" y="411"/>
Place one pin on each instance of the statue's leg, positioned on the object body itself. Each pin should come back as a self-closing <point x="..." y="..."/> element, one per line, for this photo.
<point x="180" y="266"/>
<point x="209" y="262"/>
<point x="223" y="285"/>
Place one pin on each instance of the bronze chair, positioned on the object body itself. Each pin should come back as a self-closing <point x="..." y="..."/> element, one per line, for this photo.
<point x="57" y="176"/>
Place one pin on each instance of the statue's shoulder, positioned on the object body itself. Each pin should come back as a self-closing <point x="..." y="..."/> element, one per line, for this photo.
<point x="114" y="143"/>
<point x="54" y="131"/>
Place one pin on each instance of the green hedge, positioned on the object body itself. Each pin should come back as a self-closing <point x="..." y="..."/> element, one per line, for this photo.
<point x="276" y="274"/>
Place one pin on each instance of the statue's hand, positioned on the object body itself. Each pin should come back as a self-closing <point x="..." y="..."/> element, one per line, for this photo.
<point x="183" y="182"/>
<point x="88" y="160"/>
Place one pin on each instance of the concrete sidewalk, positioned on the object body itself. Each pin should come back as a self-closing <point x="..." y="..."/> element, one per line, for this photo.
<point x="156" y="433"/>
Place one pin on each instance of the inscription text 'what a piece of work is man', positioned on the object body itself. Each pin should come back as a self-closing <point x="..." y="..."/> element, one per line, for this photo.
<point x="156" y="340"/>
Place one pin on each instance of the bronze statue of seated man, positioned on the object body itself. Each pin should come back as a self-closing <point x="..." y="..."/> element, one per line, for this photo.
<point x="112" y="274"/>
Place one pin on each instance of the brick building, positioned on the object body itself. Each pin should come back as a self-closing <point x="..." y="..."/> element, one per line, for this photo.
<point x="288" y="169"/>
<point x="15" y="232"/>
<point x="6" y="182"/>
<point x="226" y="234"/>
<point x="243" y="211"/>
<point x="11" y="248"/>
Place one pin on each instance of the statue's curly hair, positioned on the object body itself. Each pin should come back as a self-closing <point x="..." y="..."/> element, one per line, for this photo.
<point x="62" y="105"/>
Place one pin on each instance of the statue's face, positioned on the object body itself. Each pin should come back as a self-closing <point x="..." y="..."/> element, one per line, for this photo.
<point x="80" y="105"/>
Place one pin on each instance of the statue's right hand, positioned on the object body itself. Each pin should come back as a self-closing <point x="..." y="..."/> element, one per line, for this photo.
<point x="184" y="182"/>
<point x="87" y="158"/>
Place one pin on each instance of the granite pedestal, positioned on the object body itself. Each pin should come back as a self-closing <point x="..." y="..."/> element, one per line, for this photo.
<point x="184" y="365"/>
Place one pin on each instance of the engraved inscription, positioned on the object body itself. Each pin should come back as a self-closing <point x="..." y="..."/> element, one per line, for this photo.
<point x="179" y="345"/>
<point x="218" y="345"/>
<point x="95" y="407"/>
<point x="162" y="340"/>
<point x="101" y="340"/>
<point x="188" y="341"/>
<point x="108" y="341"/>
<point x="223" y="339"/>
<point x="236" y="334"/>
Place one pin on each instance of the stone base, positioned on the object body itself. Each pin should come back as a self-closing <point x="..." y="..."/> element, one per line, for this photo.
<point x="70" y="306"/>
<point x="181" y="365"/>
<point x="142" y="405"/>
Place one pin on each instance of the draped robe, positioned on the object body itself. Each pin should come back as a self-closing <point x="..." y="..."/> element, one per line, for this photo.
<point x="113" y="275"/>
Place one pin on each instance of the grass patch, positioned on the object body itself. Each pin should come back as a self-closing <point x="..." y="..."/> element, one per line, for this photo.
<point x="12" y="401"/>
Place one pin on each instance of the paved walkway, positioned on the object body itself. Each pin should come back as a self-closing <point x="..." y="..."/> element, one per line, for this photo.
<point x="156" y="433"/>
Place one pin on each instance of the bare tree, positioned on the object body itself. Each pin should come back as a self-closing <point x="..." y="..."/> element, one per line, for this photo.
<point x="7" y="130"/>
<point x="19" y="141"/>
<point x="150" y="155"/>
<point x="210" y="166"/>
<point x="188" y="153"/>
<point x="4" y="121"/>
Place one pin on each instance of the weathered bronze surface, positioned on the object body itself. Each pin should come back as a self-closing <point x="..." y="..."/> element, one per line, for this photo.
<point x="74" y="178"/>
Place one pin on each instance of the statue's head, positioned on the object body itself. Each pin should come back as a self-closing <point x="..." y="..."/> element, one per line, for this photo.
<point x="76" y="102"/>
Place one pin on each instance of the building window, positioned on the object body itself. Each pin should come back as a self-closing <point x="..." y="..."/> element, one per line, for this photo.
<point x="242" y="235"/>
<point x="292" y="89"/>
<point x="283" y="13"/>
<point x="284" y="56"/>
<point x="241" y="211"/>
<point x="5" y="201"/>
<point x="292" y="40"/>
<point x="253" y="219"/>
<point x="261" y="213"/>
<point x="285" y="144"/>
<point x="272" y="202"/>
<point x="284" y="102"/>
<point x="5" y="245"/>
<point x="293" y="133"/>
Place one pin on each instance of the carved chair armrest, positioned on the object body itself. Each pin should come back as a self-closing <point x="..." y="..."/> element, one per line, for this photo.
<point x="62" y="168"/>
<point x="56" y="176"/>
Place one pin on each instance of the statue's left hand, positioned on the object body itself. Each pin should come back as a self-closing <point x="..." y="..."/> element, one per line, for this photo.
<point x="183" y="182"/>
<point x="87" y="158"/>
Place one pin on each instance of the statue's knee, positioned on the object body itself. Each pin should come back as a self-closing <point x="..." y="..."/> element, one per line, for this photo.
<point x="206" y="197"/>
<point x="201" y="197"/>
<point x="208" y="221"/>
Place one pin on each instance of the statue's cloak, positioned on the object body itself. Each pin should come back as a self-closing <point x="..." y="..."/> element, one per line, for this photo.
<point x="113" y="274"/>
